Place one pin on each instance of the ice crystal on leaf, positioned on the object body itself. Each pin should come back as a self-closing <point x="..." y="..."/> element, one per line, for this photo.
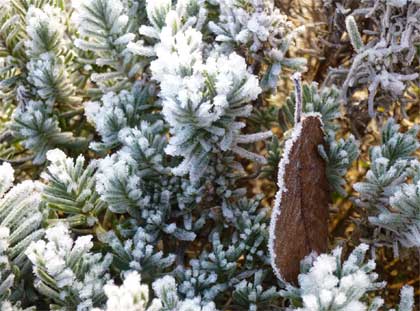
<point x="384" y="64"/>
<point x="328" y="283"/>
<point x="134" y="296"/>
<point x="66" y="270"/>
<point x="391" y="199"/>
<point x="146" y="124"/>
<point x="45" y="30"/>
<point x="202" y="101"/>
<point x="260" y="27"/>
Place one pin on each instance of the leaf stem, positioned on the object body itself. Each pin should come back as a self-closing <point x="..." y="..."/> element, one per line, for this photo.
<point x="297" y="80"/>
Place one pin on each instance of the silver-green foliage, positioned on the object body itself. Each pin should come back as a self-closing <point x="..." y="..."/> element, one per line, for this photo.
<point x="338" y="155"/>
<point x="70" y="189"/>
<point x="20" y="224"/>
<point x="38" y="75"/>
<point x="325" y="101"/>
<point x="387" y="192"/>
<point x="385" y="63"/>
<point x="167" y="89"/>
<point x="67" y="272"/>
<point x="328" y="283"/>
<point x="36" y="125"/>
<point x="104" y="29"/>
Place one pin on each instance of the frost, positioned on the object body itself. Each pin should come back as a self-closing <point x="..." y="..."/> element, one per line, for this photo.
<point x="116" y="112"/>
<point x="391" y="200"/>
<point x="50" y="79"/>
<point x="384" y="65"/>
<point x="107" y="28"/>
<point x="139" y="252"/>
<point x="294" y="136"/>
<point x="45" y="29"/>
<point x="6" y="177"/>
<point x="157" y="11"/>
<point x="20" y="224"/>
<point x="259" y="26"/>
<point x="327" y="283"/>
<point x="70" y="189"/>
<point x="134" y="296"/>
<point x="130" y="296"/>
<point x="146" y="123"/>
<point x="212" y="122"/>
<point x="66" y="271"/>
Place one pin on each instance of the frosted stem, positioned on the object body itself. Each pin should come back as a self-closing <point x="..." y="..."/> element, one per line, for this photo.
<point x="297" y="80"/>
<point x="354" y="34"/>
<point x="249" y="155"/>
<point x="252" y="138"/>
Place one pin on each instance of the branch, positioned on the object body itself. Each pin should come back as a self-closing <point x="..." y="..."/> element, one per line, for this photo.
<point x="6" y="136"/>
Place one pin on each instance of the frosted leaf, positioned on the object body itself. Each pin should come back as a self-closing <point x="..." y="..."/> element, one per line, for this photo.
<point x="299" y="170"/>
<point x="391" y="198"/>
<point x="130" y="296"/>
<point x="157" y="11"/>
<point x="184" y="80"/>
<point x="327" y="285"/>
<point x="262" y="29"/>
<point x="407" y="298"/>
<point x="4" y="245"/>
<point x="56" y="263"/>
<point x="397" y="3"/>
<point x="384" y="64"/>
<point x="20" y="224"/>
<point x="45" y="28"/>
<point x="116" y="112"/>
<point x="48" y="74"/>
<point x="6" y="177"/>
<point x="108" y="39"/>
<point x="354" y="34"/>
<point x="56" y="155"/>
<point x="166" y="291"/>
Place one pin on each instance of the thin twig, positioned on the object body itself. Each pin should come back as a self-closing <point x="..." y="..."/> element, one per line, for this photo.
<point x="5" y="136"/>
<point x="17" y="161"/>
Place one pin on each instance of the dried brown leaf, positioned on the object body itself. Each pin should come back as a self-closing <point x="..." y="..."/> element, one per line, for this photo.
<point x="299" y="222"/>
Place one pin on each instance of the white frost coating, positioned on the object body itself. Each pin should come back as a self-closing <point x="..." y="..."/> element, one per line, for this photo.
<point x="297" y="80"/>
<point x="65" y="256"/>
<point x="283" y="189"/>
<point x="45" y="28"/>
<point x="331" y="284"/>
<point x="252" y="138"/>
<point x="280" y="182"/>
<point x="315" y="115"/>
<point x="132" y="295"/>
<point x="6" y="177"/>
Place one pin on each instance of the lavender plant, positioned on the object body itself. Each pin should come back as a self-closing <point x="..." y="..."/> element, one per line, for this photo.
<point x="385" y="54"/>
<point x="20" y="225"/>
<point x="134" y="296"/>
<point x="145" y="125"/>
<point x="66" y="272"/>
<point x="390" y="189"/>
<point x="327" y="283"/>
